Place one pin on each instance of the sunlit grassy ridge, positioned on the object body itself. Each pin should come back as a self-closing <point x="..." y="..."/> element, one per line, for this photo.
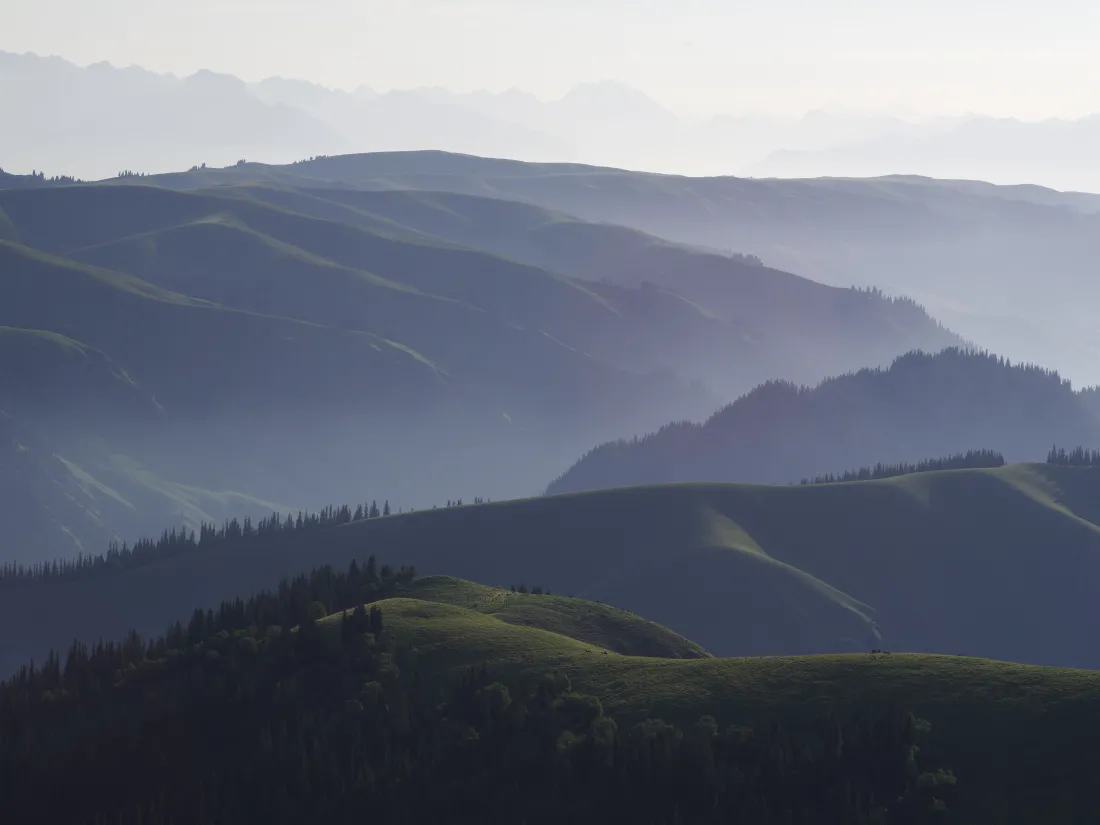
<point x="594" y="623"/>
<point x="1015" y="735"/>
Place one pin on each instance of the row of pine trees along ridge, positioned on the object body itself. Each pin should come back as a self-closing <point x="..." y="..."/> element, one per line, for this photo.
<point x="180" y="540"/>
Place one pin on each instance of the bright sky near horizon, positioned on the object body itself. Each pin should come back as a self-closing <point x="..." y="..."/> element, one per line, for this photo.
<point x="1003" y="57"/>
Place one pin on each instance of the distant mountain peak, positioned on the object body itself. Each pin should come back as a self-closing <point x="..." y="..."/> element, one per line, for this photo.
<point x="612" y="98"/>
<point x="205" y="78"/>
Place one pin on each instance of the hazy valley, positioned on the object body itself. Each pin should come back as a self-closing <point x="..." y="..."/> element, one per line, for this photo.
<point x="413" y="454"/>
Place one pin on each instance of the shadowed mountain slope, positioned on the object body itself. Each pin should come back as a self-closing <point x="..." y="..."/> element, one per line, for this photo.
<point x="968" y="251"/>
<point x="922" y="405"/>
<point x="930" y="562"/>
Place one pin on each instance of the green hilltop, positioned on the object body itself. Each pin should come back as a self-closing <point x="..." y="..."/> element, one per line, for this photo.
<point x="1007" y="731"/>
<point x="1016" y="737"/>
<point x="592" y="623"/>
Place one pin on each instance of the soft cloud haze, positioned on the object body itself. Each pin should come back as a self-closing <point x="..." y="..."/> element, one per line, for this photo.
<point x="789" y="56"/>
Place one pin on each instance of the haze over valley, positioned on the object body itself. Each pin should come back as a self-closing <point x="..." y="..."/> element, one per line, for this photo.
<point x="452" y="412"/>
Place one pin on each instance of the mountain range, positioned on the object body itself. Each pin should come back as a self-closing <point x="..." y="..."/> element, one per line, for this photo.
<point x="106" y="119"/>
<point x="269" y="342"/>
<point x="970" y="252"/>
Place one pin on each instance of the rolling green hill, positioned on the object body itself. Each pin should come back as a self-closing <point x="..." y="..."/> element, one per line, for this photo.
<point x="1007" y="731"/>
<point x="165" y="339"/>
<point x="1016" y="737"/>
<point x="593" y="623"/>
<point x="994" y="563"/>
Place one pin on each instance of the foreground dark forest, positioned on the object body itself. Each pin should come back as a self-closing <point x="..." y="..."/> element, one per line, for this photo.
<point x="258" y="713"/>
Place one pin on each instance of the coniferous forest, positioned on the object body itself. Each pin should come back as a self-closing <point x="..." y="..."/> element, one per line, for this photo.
<point x="260" y="712"/>
<point x="960" y="461"/>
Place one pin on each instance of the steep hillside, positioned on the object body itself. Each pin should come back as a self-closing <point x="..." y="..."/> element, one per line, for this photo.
<point x="63" y="499"/>
<point x="928" y="562"/>
<point x="49" y="505"/>
<point x="46" y="373"/>
<point x="164" y="339"/>
<point x="48" y="509"/>
<point x="922" y="405"/>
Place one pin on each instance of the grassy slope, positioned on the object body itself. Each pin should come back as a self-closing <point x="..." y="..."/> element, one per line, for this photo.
<point x="593" y="623"/>
<point x="519" y="321"/>
<point x="223" y="260"/>
<point x="35" y="361"/>
<point x="89" y="216"/>
<point x="998" y="563"/>
<point x="47" y="509"/>
<point x="785" y="311"/>
<point x="761" y="318"/>
<point x="1010" y="732"/>
<point x="170" y="342"/>
<point x="335" y="256"/>
<point x="64" y="494"/>
<point x="1013" y="734"/>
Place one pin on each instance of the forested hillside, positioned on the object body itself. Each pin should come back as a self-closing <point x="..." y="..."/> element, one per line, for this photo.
<point x="922" y="405"/>
<point x="275" y="714"/>
<point x="277" y="705"/>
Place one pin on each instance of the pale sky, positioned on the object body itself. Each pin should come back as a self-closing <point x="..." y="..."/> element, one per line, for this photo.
<point x="1001" y="57"/>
